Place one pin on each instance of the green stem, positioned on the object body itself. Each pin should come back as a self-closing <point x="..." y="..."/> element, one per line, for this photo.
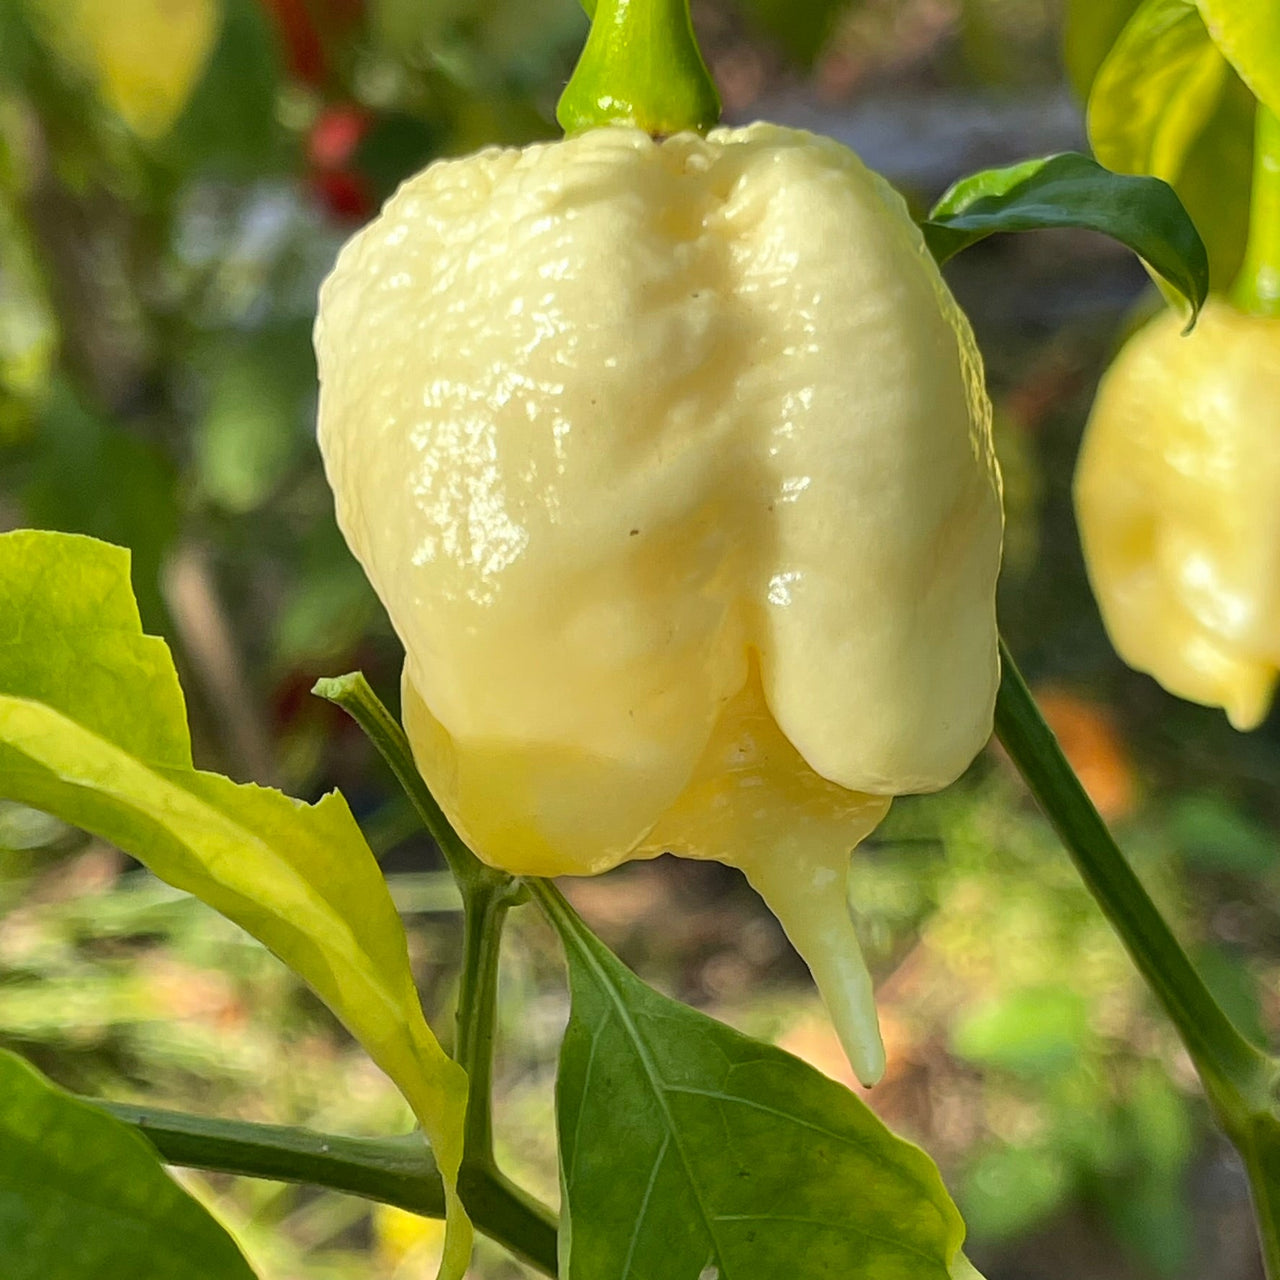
<point x="641" y="66"/>
<point x="500" y="1208"/>
<point x="398" y="1171"/>
<point x="486" y="909"/>
<point x="508" y="1214"/>
<point x="1257" y="287"/>
<point x="353" y="694"/>
<point x="1236" y="1075"/>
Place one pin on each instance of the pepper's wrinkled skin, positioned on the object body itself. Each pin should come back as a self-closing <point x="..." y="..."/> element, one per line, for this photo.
<point x="1178" y="502"/>
<point x="671" y="462"/>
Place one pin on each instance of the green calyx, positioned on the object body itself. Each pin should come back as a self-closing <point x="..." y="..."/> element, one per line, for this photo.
<point x="641" y="66"/>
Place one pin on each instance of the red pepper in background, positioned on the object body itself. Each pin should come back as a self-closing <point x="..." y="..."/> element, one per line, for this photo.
<point x="304" y="54"/>
<point x="332" y="145"/>
<point x="309" y="30"/>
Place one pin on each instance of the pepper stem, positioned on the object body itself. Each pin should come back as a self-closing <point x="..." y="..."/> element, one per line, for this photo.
<point x="641" y="66"/>
<point x="1257" y="287"/>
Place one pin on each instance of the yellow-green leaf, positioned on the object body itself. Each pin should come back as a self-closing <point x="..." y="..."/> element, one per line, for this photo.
<point x="93" y="729"/>
<point x="1248" y="32"/>
<point x="1165" y="102"/>
<point x="1155" y="90"/>
<point x="1090" y="28"/>
<point x="143" y="56"/>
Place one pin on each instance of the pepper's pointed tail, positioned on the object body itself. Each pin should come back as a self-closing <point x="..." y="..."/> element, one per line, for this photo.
<point x="806" y="891"/>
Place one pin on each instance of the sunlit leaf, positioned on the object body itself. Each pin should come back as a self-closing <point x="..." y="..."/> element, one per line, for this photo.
<point x="1155" y="91"/>
<point x="82" y="1195"/>
<point x="1031" y="1032"/>
<point x="1248" y="32"/>
<point x="1089" y="30"/>
<point x="28" y="323"/>
<point x="145" y="57"/>
<point x="1071" y="190"/>
<point x="1215" y="181"/>
<point x="1166" y="102"/>
<point x="93" y="729"/>
<point x="688" y="1149"/>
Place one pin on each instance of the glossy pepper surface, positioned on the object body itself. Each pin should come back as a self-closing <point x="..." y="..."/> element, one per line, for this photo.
<point x="671" y="461"/>
<point x="1178" y="502"/>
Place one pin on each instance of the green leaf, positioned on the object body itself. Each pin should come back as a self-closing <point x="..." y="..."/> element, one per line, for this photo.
<point x="1216" y="178"/>
<point x="231" y="123"/>
<point x="1030" y="1032"/>
<point x="802" y="30"/>
<point x="1155" y="91"/>
<point x="1010" y="1190"/>
<point x="1070" y="190"/>
<point x="1212" y="834"/>
<point x="258" y="419"/>
<point x="690" y="1150"/>
<point x="1090" y="29"/>
<point x="93" y="729"/>
<point x="90" y="476"/>
<point x="83" y="1195"/>
<point x="1248" y="32"/>
<point x="1166" y="103"/>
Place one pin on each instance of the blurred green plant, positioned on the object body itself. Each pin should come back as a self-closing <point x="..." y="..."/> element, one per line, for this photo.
<point x="160" y="242"/>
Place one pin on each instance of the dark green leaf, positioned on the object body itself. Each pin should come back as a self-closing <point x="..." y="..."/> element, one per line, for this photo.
<point x="82" y="1195"/>
<point x="1212" y="834"/>
<point x="1070" y="190"/>
<point x="801" y="29"/>
<point x="690" y="1150"/>
<point x="231" y="123"/>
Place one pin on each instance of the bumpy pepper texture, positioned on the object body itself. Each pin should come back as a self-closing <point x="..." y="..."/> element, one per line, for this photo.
<point x="1178" y="502"/>
<point x="671" y="462"/>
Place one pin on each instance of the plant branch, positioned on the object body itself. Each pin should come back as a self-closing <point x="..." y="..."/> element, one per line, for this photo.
<point x="486" y="909"/>
<point x="397" y="1171"/>
<point x="1236" y="1075"/>
<point x="500" y="1208"/>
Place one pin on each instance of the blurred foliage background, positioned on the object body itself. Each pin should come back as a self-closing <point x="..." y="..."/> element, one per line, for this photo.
<point x="175" y="179"/>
